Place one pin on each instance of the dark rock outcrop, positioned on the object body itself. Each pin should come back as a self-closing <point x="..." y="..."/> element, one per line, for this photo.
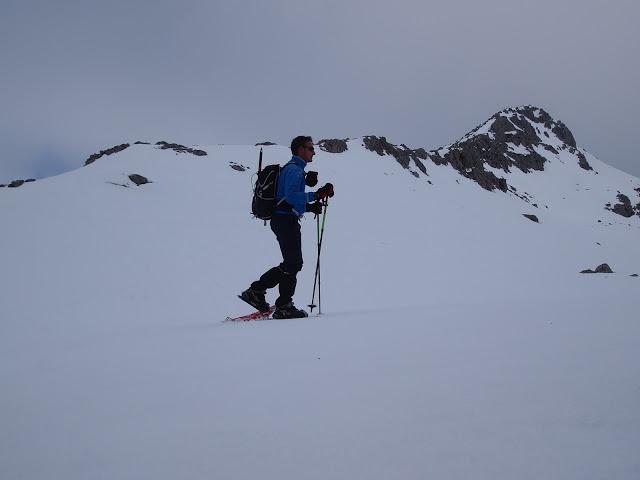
<point x="531" y="217"/>
<point x="623" y="208"/>
<point x="265" y="144"/>
<point x="180" y="148"/>
<point x="514" y="129"/>
<point x="139" y="179"/>
<point x="564" y="134"/>
<point x="603" y="268"/>
<point x="582" y="161"/>
<point x="237" y="166"/>
<point x="109" y="151"/>
<point x="468" y="162"/>
<point x="403" y="155"/>
<point x="18" y="183"/>
<point x="333" y="145"/>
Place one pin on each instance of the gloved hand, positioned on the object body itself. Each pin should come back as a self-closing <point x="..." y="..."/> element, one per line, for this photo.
<point x="314" y="207"/>
<point x="324" y="192"/>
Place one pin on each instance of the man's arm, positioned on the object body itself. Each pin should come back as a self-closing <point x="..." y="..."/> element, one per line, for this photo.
<point x="293" y="178"/>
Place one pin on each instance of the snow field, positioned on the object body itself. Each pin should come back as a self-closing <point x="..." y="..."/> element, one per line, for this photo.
<point x="458" y="339"/>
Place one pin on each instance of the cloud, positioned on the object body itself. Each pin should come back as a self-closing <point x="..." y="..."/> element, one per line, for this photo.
<point x="82" y="76"/>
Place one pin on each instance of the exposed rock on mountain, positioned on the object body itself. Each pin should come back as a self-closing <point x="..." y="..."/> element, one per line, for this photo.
<point x="467" y="160"/>
<point x="139" y="179"/>
<point x="402" y="154"/>
<point x="18" y="183"/>
<point x="180" y="148"/>
<point x="533" y="218"/>
<point x="102" y="153"/>
<point x="334" y="145"/>
<point x="582" y="161"/>
<point x="515" y="137"/>
<point x="604" y="268"/>
<point x="525" y="138"/>
<point x="623" y="208"/>
<point x="238" y="167"/>
<point x="163" y="146"/>
<point x="494" y="155"/>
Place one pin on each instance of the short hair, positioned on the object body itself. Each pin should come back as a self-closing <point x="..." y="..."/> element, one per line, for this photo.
<point x="298" y="142"/>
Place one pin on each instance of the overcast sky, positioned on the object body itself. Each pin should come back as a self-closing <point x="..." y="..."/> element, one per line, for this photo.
<point x="81" y="76"/>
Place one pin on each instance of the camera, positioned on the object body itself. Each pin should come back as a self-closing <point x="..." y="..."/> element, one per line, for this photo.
<point x="311" y="179"/>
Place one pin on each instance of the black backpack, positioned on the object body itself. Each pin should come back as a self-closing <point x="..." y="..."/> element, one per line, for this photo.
<point x="264" y="192"/>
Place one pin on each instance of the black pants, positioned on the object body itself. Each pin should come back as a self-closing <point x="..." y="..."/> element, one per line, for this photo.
<point x="287" y="230"/>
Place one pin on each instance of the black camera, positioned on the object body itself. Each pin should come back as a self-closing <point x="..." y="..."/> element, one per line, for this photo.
<point x="311" y="179"/>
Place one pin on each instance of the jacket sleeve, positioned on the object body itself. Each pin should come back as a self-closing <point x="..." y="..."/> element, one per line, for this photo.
<point x="293" y="190"/>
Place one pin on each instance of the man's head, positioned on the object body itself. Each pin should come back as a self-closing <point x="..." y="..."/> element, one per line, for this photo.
<point x="302" y="147"/>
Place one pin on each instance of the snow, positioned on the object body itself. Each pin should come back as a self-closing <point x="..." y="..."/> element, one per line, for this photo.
<point x="484" y="129"/>
<point x="519" y="149"/>
<point x="457" y="340"/>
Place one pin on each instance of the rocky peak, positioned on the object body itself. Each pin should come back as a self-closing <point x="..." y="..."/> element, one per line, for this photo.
<point x="523" y="137"/>
<point x="527" y="117"/>
<point x="512" y="138"/>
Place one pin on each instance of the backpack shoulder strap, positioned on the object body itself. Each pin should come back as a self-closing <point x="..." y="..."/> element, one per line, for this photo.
<point x="282" y="202"/>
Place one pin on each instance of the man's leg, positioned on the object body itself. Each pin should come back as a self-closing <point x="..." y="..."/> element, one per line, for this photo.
<point x="287" y="230"/>
<point x="269" y="279"/>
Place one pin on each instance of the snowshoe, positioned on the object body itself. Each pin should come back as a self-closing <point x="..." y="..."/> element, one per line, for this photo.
<point x="289" y="311"/>
<point x="255" y="298"/>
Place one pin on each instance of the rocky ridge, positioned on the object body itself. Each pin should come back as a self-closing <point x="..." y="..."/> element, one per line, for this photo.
<point x="512" y="138"/>
<point x="17" y="183"/>
<point x="523" y="138"/>
<point x="162" y="145"/>
<point x="108" y="151"/>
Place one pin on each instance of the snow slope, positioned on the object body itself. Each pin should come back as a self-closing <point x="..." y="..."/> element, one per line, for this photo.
<point x="457" y="340"/>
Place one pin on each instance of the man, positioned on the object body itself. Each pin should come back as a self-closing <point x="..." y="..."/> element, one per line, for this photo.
<point x="292" y="203"/>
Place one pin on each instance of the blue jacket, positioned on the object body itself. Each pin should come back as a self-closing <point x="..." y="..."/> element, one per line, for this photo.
<point x="291" y="188"/>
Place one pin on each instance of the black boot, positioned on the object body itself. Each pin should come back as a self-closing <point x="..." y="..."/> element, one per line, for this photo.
<point x="289" y="311"/>
<point x="255" y="298"/>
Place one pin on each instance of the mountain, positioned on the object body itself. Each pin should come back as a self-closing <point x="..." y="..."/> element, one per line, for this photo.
<point x="523" y="140"/>
<point x="458" y="337"/>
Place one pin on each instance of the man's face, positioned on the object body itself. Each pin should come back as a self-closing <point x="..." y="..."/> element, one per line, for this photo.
<point x="307" y="152"/>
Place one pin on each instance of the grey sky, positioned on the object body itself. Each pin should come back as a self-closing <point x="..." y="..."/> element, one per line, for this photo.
<point x="80" y="76"/>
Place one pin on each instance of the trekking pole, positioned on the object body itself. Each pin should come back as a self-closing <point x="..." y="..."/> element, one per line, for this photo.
<point x="316" y="280"/>
<point x="315" y="276"/>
